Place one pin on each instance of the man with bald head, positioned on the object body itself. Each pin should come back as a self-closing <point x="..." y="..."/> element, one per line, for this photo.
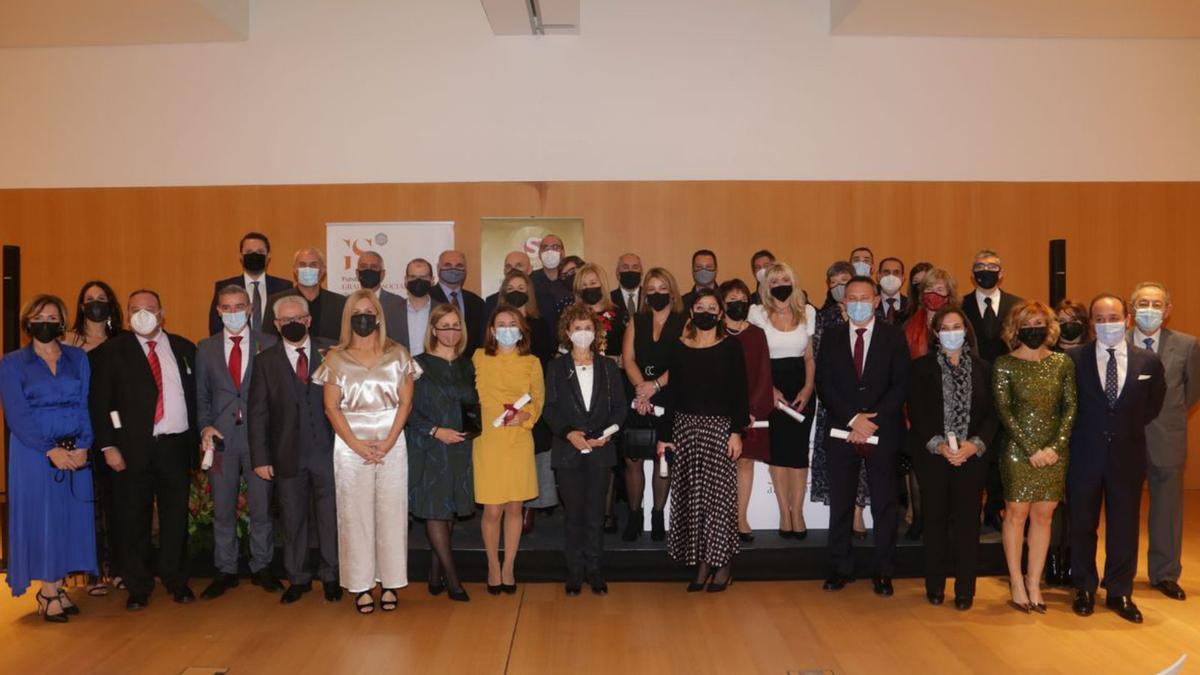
<point x="452" y="272"/>
<point x="371" y="273"/>
<point x="548" y="284"/>
<point x="324" y="306"/>
<point x="515" y="260"/>
<point x="627" y="296"/>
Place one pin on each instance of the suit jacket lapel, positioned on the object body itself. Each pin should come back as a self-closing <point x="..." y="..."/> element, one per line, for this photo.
<point x="598" y="381"/>
<point x="141" y="362"/>
<point x="1091" y="371"/>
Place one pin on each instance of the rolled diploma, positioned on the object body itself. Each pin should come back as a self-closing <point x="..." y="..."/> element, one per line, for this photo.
<point x="792" y="412"/>
<point x="521" y="403"/>
<point x="609" y="431"/>
<point x="843" y="434"/>
<point x="658" y="409"/>
<point x="760" y="424"/>
<point x="953" y="441"/>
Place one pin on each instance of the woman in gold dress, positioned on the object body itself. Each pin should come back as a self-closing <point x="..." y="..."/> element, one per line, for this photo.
<point x="1034" y="390"/>
<point x="505" y="475"/>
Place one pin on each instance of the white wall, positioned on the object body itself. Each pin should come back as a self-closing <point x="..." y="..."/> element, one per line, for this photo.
<point x="419" y="90"/>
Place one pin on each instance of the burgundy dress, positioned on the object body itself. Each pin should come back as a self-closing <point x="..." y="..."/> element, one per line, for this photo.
<point x="756" y="444"/>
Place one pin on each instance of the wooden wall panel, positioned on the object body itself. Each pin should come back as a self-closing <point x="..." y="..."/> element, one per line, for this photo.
<point x="179" y="240"/>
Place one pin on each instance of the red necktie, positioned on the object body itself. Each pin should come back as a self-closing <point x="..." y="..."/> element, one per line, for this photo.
<point x="156" y="371"/>
<point x="235" y="361"/>
<point x="301" y="365"/>
<point x="859" y="351"/>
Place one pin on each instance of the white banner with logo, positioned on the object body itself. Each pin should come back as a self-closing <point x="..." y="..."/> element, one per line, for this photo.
<point x="396" y="242"/>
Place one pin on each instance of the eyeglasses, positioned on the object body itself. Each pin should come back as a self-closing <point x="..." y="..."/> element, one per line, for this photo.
<point x="990" y="267"/>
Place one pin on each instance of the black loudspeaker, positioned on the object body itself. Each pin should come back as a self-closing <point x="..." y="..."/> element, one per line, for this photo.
<point x="1058" y="271"/>
<point x="10" y="322"/>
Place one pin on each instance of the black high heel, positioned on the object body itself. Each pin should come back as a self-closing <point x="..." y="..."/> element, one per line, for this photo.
<point x="697" y="586"/>
<point x="436" y="587"/>
<point x="715" y="587"/>
<point x="458" y="594"/>
<point x="389" y="605"/>
<point x="43" y="605"/>
<point x="69" y="608"/>
<point x="508" y="589"/>
<point x="495" y="590"/>
<point x="367" y="608"/>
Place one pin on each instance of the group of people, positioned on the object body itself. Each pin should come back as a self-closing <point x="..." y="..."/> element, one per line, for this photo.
<point x="355" y="413"/>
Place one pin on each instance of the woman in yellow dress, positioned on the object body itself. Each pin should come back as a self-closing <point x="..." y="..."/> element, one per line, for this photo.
<point x="505" y="476"/>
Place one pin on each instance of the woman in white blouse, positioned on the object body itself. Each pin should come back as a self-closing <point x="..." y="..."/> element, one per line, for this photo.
<point x="789" y="321"/>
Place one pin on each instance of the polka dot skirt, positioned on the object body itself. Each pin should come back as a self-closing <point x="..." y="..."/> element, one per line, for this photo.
<point x="703" y="492"/>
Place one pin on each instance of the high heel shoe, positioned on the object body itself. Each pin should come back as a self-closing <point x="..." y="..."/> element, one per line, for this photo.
<point x="1039" y="607"/>
<point x="798" y="535"/>
<point x="1024" y="607"/>
<point x="436" y="587"/>
<point x="389" y="605"/>
<point x="69" y="608"/>
<point x="43" y="605"/>
<point x="714" y="587"/>
<point x="495" y="590"/>
<point x="458" y="594"/>
<point x="364" y="607"/>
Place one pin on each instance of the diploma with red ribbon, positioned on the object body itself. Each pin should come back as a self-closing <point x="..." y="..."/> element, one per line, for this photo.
<point x="511" y="410"/>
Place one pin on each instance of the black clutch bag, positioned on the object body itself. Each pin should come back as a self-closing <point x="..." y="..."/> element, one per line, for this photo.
<point x="472" y="420"/>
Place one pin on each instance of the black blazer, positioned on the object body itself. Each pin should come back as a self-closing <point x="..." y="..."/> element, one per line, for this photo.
<point x="123" y="382"/>
<point x="903" y="309"/>
<point x="274" y="285"/>
<point x="332" y="304"/>
<point x="276" y="401"/>
<point x="991" y="345"/>
<point x="564" y="411"/>
<point x="926" y="400"/>
<point x="475" y="321"/>
<point x="1102" y="434"/>
<point x="882" y="390"/>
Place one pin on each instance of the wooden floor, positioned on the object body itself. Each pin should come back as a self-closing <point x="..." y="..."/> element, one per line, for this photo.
<point x="755" y="627"/>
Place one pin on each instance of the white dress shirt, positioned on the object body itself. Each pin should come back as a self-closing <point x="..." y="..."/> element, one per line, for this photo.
<point x="1122" y="355"/>
<point x="174" y="419"/>
<point x="245" y="345"/>
<point x="866" y="338"/>
<point x="262" y="291"/>
<point x="630" y="297"/>
<point x="293" y="355"/>
<point x="585" y="375"/>
<point x="981" y="297"/>
<point x="1139" y="339"/>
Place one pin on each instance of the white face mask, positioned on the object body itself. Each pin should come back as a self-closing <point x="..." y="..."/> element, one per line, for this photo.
<point x="761" y="274"/>
<point x="583" y="338"/>
<point x="890" y="284"/>
<point x="143" y="322"/>
<point x="550" y="259"/>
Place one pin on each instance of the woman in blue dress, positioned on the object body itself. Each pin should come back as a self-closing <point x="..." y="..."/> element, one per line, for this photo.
<point x="44" y="388"/>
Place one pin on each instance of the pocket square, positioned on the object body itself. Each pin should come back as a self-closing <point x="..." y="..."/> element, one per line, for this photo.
<point x="1144" y="377"/>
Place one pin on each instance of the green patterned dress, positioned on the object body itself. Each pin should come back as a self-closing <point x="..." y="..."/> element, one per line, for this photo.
<point x="1036" y="403"/>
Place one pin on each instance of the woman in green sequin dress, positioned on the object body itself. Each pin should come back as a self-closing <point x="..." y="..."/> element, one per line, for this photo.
<point x="1034" y="389"/>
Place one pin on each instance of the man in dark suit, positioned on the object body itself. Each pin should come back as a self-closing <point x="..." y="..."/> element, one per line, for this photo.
<point x="515" y="260"/>
<point x="255" y="252"/>
<point x="418" y="281"/>
<point x="893" y="305"/>
<point x="371" y="274"/>
<point x="704" y="275"/>
<point x="291" y="443"/>
<point x="143" y="402"/>
<point x="987" y="309"/>
<point x="628" y="296"/>
<point x="324" y="306"/>
<point x="862" y="379"/>
<point x="1166" y="436"/>
<point x="224" y="365"/>
<point x="548" y="283"/>
<point x="1120" y="390"/>
<point x="452" y="272"/>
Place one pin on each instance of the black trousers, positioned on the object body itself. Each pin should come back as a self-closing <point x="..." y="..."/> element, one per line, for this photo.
<point x="1120" y="491"/>
<point x="950" y="498"/>
<point x="842" y="468"/>
<point x="304" y="499"/>
<point x="995" y="486"/>
<point x="584" y="491"/>
<point x="163" y="478"/>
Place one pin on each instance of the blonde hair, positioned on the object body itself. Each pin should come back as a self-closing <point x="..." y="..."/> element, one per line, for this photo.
<point x="935" y="275"/>
<point x="1020" y="314"/>
<point x="592" y="268"/>
<point x="436" y="314"/>
<point x="798" y="302"/>
<point x="664" y="275"/>
<point x="384" y="344"/>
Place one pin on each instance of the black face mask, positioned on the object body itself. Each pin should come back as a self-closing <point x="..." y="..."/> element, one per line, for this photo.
<point x="1071" y="330"/>
<point x="781" y="293"/>
<point x="1033" y="336"/>
<point x="658" y="301"/>
<point x="97" y="310"/>
<point x="369" y="278"/>
<point x="630" y="279"/>
<point x="987" y="279"/>
<point x="293" y="331"/>
<point x="363" y="324"/>
<point x="45" y="332"/>
<point x="516" y="298"/>
<point x="591" y="296"/>
<point x="738" y="310"/>
<point x="418" y="288"/>
<point x="705" y="320"/>
<point x="254" y="263"/>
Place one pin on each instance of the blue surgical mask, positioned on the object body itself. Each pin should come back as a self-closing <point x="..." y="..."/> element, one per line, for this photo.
<point x="308" y="276"/>
<point x="234" y="321"/>
<point x="1149" y="320"/>
<point x="862" y="269"/>
<point x="1110" y="334"/>
<point x="952" y="340"/>
<point x="508" y="336"/>
<point x="860" y="312"/>
<point x="838" y="292"/>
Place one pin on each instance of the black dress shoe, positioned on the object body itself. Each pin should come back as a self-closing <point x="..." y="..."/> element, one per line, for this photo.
<point x="963" y="602"/>
<point x="599" y="586"/>
<point x="745" y="537"/>
<point x="883" y="586"/>
<point x="1171" y="590"/>
<point x="137" y="601"/>
<point x="573" y="588"/>
<point x="1085" y="603"/>
<point x="799" y="535"/>
<point x="1124" y="607"/>
<point x="183" y="595"/>
<point x="294" y="592"/>
<point x="333" y="591"/>
<point x="633" y="526"/>
<point x="267" y="581"/>
<point x="837" y="582"/>
<point x="935" y="597"/>
<point x="436" y="587"/>
<point x="220" y="583"/>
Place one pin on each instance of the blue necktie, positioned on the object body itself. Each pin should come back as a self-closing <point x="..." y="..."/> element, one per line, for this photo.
<point x="1110" y="378"/>
<point x="1149" y="343"/>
